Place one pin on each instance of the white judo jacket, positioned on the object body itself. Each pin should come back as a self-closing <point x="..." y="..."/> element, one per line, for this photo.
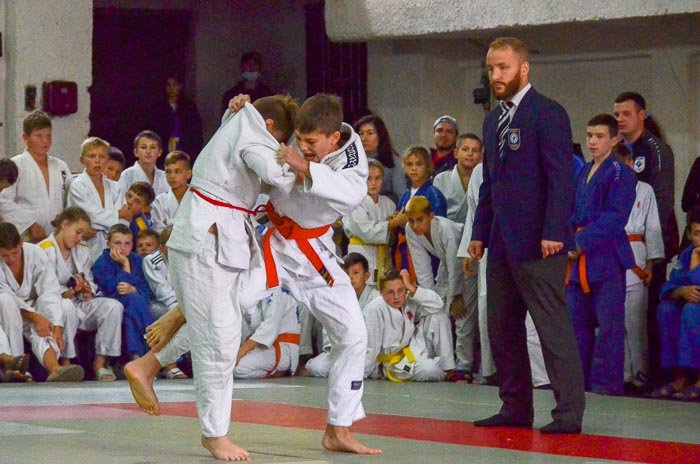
<point x="28" y="200"/>
<point x="39" y="291"/>
<point x="644" y="220"/>
<point x="229" y="169"/>
<point x="336" y="187"/>
<point x="445" y="236"/>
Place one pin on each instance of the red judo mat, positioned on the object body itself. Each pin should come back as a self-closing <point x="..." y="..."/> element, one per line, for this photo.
<point x="402" y="427"/>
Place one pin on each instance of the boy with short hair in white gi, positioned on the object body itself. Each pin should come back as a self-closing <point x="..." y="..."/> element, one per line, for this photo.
<point x="97" y="195"/>
<point x="115" y="165"/>
<point x="178" y="171"/>
<point x="83" y="307"/>
<point x="147" y="149"/>
<point x="396" y="347"/>
<point x="644" y="233"/>
<point x="300" y="253"/>
<point x="357" y="268"/>
<point x="211" y="249"/>
<point x="372" y="224"/>
<point x="40" y="192"/>
<point x="30" y="304"/>
<point x="429" y="235"/>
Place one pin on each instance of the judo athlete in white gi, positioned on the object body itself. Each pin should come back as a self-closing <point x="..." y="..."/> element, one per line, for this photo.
<point x="372" y="223"/>
<point x="271" y="334"/>
<point x="30" y="304"/>
<point x="98" y="196"/>
<point x="471" y="267"/>
<point x="40" y="191"/>
<point x="396" y="345"/>
<point x="300" y="251"/>
<point x="644" y="233"/>
<point x="147" y="149"/>
<point x="453" y="184"/>
<point x="69" y="258"/>
<point x="357" y="268"/>
<point x="178" y="172"/>
<point x="429" y="235"/>
<point x="211" y="247"/>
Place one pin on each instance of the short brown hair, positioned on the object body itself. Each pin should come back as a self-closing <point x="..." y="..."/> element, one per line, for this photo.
<point x="388" y="276"/>
<point x="282" y="109"/>
<point x="322" y="112"/>
<point x="144" y="190"/>
<point x="8" y="170"/>
<point x="9" y="236"/>
<point x="118" y="228"/>
<point x="177" y="155"/>
<point x="519" y="47"/>
<point x="148" y="134"/>
<point x="148" y="233"/>
<point x="36" y="120"/>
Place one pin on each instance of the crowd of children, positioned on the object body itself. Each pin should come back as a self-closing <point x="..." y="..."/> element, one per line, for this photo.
<point x="101" y="265"/>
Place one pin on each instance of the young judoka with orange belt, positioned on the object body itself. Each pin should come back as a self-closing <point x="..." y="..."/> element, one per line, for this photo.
<point x="595" y="290"/>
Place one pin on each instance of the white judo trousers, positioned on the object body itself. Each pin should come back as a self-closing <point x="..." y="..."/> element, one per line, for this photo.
<point x="320" y="366"/>
<point x="338" y="311"/>
<point x="204" y="289"/>
<point x="103" y="315"/>
<point x="207" y="269"/>
<point x="644" y="222"/>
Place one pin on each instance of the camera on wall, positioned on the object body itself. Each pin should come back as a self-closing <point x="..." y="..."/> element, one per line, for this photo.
<point x="482" y="95"/>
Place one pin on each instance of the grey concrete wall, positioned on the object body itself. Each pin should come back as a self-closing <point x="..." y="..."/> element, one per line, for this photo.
<point x="359" y="20"/>
<point x="45" y="43"/>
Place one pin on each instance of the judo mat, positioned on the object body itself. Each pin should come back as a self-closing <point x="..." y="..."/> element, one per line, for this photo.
<point x="282" y="421"/>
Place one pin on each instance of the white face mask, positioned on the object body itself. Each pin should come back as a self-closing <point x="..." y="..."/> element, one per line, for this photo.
<point x="251" y="75"/>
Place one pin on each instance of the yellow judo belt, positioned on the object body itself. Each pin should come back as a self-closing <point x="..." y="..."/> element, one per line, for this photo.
<point x="382" y="256"/>
<point x="393" y="358"/>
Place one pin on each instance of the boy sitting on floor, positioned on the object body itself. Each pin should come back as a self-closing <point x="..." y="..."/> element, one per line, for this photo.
<point x="396" y="347"/>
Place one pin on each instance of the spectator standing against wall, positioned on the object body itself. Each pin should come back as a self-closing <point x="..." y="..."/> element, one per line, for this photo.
<point x="653" y="162"/>
<point x="522" y="218"/>
<point x="176" y="119"/>
<point x="250" y="84"/>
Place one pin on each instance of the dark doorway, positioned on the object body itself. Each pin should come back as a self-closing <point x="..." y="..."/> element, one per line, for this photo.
<point x="131" y="53"/>
<point x="334" y="67"/>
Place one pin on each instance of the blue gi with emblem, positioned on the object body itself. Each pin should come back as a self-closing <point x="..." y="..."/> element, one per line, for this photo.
<point x="595" y="292"/>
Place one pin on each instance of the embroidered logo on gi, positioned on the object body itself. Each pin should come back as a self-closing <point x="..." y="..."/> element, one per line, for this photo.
<point x="513" y="139"/>
<point x="639" y="164"/>
<point x="352" y="156"/>
<point x="355" y="384"/>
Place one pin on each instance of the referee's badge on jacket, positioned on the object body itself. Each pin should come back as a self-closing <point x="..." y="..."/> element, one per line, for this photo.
<point x="513" y="139"/>
<point x="639" y="164"/>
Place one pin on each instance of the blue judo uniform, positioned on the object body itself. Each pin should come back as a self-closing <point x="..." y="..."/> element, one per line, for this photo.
<point x="137" y="316"/>
<point x="679" y="320"/>
<point x="601" y="209"/>
<point x="438" y="203"/>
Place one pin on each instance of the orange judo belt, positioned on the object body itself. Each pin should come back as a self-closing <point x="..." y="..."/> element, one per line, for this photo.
<point x="636" y="269"/>
<point x="293" y="338"/>
<point x="583" y="276"/>
<point x="290" y="230"/>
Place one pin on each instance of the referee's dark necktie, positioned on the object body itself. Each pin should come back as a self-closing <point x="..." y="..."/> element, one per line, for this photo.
<point x="503" y="125"/>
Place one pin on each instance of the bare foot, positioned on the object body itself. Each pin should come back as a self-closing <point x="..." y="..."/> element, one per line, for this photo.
<point x="223" y="449"/>
<point x="339" y="439"/>
<point x="140" y="373"/>
<point x="162" y="330"/>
